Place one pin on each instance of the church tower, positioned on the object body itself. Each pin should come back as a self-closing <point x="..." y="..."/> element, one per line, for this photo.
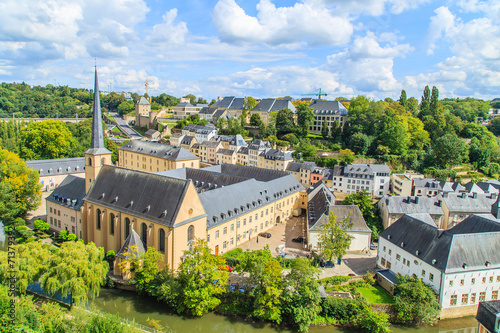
<point x="97" y="155"/>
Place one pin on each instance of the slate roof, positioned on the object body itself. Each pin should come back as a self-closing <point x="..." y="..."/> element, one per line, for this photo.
<point x="388" y="275"/>
<point x="61" y="166"/>
<point x="321" y="107"/>
<point x="243" y="150"/>
<point x="69" y="193"/>
<point x="338" y="170"/>
<point x="487" y="314"/>
<point x="97" y="146"/>
<point x="160" y="150"/>
<point x="210" y="144"/>
<point x="276" y="154"/>
<point x="133" y="239"/>
<point x="187" y="140"/>
<point x="260" y="174"/>
<point x="143" y="101"/>
<point x="273" y="104"/>
<point x="151" y="132"/>
<point x="224" y="151"/>
<point x="408" y="205"/>
<point x="487" y="187"/>
<point x="148" y="196"/>
<point x="230" y="102"/>
<point x="469" y="246"/>
<point x="471" y="187"/>
<point x="366" y="169"/>
<point x="317" y="210"/>
<point x="208" y="110"/>
<point x="465" y="202"/>
<point x="429" y="182"/>
<point x="341" y="212"/>
<point x="259" y="145"/>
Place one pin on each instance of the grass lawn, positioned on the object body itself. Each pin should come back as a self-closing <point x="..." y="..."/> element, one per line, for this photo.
<point x="139" y="130"/>
<point x="376" y="295"/>
<point x="314" y="136"/>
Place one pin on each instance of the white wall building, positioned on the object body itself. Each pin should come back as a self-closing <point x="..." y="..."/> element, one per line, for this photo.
<point x="461" y="264"/>
<point x="374" y="178"/>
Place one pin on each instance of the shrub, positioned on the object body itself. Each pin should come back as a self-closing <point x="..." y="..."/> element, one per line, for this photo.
<point x="342" y="309"/>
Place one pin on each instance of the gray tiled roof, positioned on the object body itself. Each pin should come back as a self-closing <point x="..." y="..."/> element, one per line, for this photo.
<point x="429" y="182"/>
<point x="273" y="104"/>
<point x="148" y="196"/>
<point x="472" y="245"/>
<point x="210" y="144"/>
<point x="208" y="110"/>
<point x="259" y="145"/>
<point x="61" y="166"/>
<point x="159" y="150"/>
<point x="368" y="169"/>
<point x="151" y="132"/>
<point x="69" y="193"/>
<point x="226" y="151"/>
<point x="276" y="154"/>
<point x="143" y="101"/>
<point x="465" y="202"/>
<point x="321" y="107"/>
<point x="487" y="314"/>
<point x="243" y="150"/>
<point x="408" y="205"/>
<point x="230" y="102"/>
<point x="187" y="140"/>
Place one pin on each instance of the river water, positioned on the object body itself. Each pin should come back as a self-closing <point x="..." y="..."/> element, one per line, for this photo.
<point x="131" y="306"/>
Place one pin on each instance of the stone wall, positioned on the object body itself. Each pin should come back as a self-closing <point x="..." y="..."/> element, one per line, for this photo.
<point x="459" y="311"/>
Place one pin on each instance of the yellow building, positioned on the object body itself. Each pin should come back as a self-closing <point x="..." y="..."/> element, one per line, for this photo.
<point x="226" y="156"/>
<point x="274" y="159"/>
<point x="155" y="157"/>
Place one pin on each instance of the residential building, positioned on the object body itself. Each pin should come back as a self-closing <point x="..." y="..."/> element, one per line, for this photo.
<point x="254" y="150"/>
<point x="275" y="159"/>
<point x="233" y="105"/>
<point x="268" y="105"/>
<point x="488" y="317"/>
<point x="461" y="264"/>
<point x="242" y="156"/>
<point x="176" y="138"/>
<point x="201" y="133"/>
<point x="207" y="113"/>
<point x="226" y="156"/>
<point x="152" y="134"/>
<point x="208" y="151"/>
<point x="430" y="187"/>
<point x="52" y="172"/>
<point x="402" y="183"/>
<point x="187" y="142"/>
<point x="184" y="109"/>
<point x="302" y="171"/>
<point x="392" y="208"/>
<point x="154" y="157"/>
<point x="458" y="206"/>
<point x="328" y="111"/>
<point x="373" y="178"/>
<point x="63" y="205"/>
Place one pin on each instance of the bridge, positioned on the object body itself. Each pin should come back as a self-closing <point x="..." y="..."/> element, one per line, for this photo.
<point x="36" y="120"/>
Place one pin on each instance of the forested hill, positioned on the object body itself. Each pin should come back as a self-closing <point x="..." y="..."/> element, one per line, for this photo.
<point x="62" y="101"/>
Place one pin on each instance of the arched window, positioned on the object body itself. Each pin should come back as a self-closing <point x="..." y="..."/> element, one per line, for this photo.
<point x="90" y="161"/>
<point x="111" y="223"/>
<point x="190" y="234"/>
<point x="162" y="241"/>
<point x="103" y="161"/>
<point x="127" y="227"/>
<point x="144" y="234"/>
<point x="98" y="219"/>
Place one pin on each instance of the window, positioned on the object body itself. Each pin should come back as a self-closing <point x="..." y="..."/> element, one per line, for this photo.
<point x="111" y="223"/>
<point x="423" y="272"/>
<point x="431" y="277"/>
<point x="98" y="219"/>
<point x="473" y="281"/>
<point x="491" y="279"/>
<point x="232" y="227"/>
<point x="388" y="265"/>
<point x="465" y="299"/>
<point x="498" y="278"/>
<point x="267" y="211"/>
<point x="398" y="257"/>
<point x="162" y="241"/>
<point x="453" y="300"/>
<point x="190" y="235"/>
<point x="482" y="296"/>
<point x="494" y="295"/>
<point x="390" y="251"/>
<point x="451" y="283"/>
<point x="225" y="231"/>
<point x="261" y="226"/>
<point x="127" y="227"/>
<point x="237" y="224"/>
<point x="256" y="216"/>
<point x="462" y="282"/>
<point x="73" y="219"/>
<point x="50" y="209"/>
<point x="245" y="221"/>
<point x="472" y="298"/>
<point x="208" y="238"/>
<point x="262" y="214"/>
<point x="144" y="235"/>
<point x="217" y="234"/>
<point x="224" y="245"/>
<point x="382" y="261"/>
<point x="484" y="279"/>
<point x="384" y="248"/>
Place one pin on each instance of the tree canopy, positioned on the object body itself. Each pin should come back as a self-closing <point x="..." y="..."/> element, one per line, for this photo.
<point x="334" y="237"/>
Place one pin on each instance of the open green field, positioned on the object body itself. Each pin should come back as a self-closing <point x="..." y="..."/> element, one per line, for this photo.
<point x="376" y="295"/>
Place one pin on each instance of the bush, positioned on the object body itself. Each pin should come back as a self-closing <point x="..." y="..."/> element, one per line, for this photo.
<point x="334" y="280"/>
<point x="235" y="253"/>
<point x="41" y="225"/>
<point x="342" y="309"/>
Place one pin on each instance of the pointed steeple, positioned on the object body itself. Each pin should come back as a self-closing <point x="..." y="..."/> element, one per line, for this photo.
<point x="97" y="146"/>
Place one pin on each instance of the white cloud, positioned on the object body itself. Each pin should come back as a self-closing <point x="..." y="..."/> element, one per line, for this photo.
<point x="280" y="26"/>
<point x="442" y="23"/>
<point x="367" y="66"/>
<point x="368" y="7"/>
<point x="168" y="31"/>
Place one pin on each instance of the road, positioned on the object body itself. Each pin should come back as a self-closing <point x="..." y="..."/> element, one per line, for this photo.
<point x="124" y="126"/>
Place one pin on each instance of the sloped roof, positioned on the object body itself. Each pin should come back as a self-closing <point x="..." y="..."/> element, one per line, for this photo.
<point x="151" y="132"/>
<point x="487" y="313"/>
<point x="471" y="245"/>
<point x="408" y="205"/>
<point x="160" y="150"/>
<point x="464" y="202"/>
<point x="60" y="166"/>
<point x="149" y="196"/>
<point x="321" y="107"/>
<point x="224" y="151"/>
<point x="276" y="154"/>
<point x="230" y="102"/>
<point x="126" y="251"/>
<point x="243" y="150"/>
<point x="143" y="101"/>
<point x="273" y="105"/>
<point x="69" y="193"/>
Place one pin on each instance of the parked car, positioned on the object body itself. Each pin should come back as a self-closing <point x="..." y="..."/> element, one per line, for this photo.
<point x="327" y="264"/>
<point x="243" y="288"/>
<point x="373" y="246"/>
<point x="233" y="286"/>
<point x="300" y="239"/>
<point x="265" y="235"/>
<point x="351" y="274"/>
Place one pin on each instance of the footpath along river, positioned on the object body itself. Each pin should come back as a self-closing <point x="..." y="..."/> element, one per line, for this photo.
<point x="131" y="306"/>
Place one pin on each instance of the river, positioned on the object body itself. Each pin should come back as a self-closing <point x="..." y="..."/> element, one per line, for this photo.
<point x="131" y="306"/>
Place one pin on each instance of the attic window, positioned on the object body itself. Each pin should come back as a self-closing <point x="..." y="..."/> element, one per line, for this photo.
<point x="417" y="252"/>
<point x="464" y="266"/>
<point x="214" y="218"/>
<point x="487" y="264"/>
<point x="434" y="261"/>
<point x="388" y="236"/>
<point x="402" y="244"/>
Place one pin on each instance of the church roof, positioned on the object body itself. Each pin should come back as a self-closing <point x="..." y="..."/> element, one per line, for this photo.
<point x="58" y="166"/>
<point x="126" y="251"/>
<point x="143" y="101"/>
<point x="148" y="196"/>
<point x="160" y="150"/>
<point x="69" y="193"/>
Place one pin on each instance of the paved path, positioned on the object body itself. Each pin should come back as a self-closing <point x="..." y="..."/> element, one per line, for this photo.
<point x="124" y="126"/>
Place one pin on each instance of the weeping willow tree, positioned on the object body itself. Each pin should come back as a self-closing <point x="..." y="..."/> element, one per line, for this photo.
<point x="75" y="268"/>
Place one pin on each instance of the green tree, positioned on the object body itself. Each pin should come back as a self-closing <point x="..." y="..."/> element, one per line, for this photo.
<point x="284" y="122"/>
<point x="450" y="150"/>
<point x="265" y="275"/>
<point x="192" y="98"/>
<point x="305" y="116"/>
<point x="290" y="137"/>
<point x="201" y="279"/>
<point x="46" y="140"/>
<point x="425" y="103"/>
<point x="412" y="106"/>
<point x="369" y="211"/>
<point x="479" y="155"/>
<point x="19" y="187"/>
<point x="201" y="100"/>
<point x="347" y="156"/>
<point x="416" y="302"/>
<point x="374" y="322"/>
<point x="402" y="98"/>
<point x="146" y="269"/>
<point x="125" y="107"/>
<point x="324" y="130"/>
<point x="360" y="143"/>
<point x="301" y="299"/>
<point x="335" y="130"/>
<point x="334" y="237"/>
<point x="255" y="120"/>
<point x="41" y="225"/>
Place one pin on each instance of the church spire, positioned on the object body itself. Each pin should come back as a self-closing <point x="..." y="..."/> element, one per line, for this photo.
<point x="97" y="131"/>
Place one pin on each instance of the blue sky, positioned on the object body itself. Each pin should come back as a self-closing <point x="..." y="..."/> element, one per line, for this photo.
<point x="265" y="48"/>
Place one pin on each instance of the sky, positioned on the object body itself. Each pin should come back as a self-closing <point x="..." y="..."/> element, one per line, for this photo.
<point x="264" y="49"/>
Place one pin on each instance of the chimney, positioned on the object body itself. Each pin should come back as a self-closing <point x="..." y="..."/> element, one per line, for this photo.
<point x="493" y="195"/>
<point x="464" y="195"/>
<point x="417" y="199"/>
<point x="474" y="195"/>
<point x="495" y="208"/>
<point x="440" y="203"/>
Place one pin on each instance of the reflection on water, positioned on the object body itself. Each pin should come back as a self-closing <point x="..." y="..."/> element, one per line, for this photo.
<point x="131" y="306"/>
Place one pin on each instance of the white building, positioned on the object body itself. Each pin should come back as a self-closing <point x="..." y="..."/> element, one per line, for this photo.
<point x="374" y="178"/>
<point x="461" y="264"/>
